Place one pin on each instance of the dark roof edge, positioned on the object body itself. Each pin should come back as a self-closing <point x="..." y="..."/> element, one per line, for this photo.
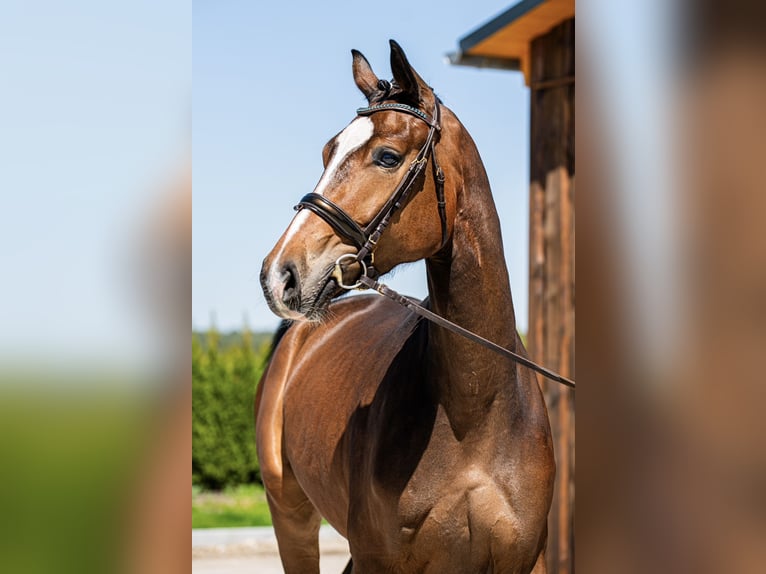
<point x="513" y="13"/>
<point x="493" y="62"/>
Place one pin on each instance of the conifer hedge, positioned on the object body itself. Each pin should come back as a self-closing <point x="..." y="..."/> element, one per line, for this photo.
<point x="224" y="381"/>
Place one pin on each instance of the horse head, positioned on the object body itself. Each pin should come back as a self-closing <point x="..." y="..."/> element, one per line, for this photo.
<point x="331" y="241"/>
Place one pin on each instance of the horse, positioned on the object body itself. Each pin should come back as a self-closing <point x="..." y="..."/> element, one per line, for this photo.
<point x="428" y="452"/>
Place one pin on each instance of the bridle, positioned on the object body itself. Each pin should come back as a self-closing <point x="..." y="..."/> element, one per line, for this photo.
<point x="366" y="238"/>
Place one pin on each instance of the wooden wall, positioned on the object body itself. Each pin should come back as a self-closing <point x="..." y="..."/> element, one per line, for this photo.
<point x="552" y="263"/>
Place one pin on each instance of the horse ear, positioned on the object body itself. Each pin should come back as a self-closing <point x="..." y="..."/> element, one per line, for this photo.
<point x="408" y="79"/>
<point x="364" y="77"/>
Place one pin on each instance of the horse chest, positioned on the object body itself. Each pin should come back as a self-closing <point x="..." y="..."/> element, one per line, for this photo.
<point x="466" y="503"/>
<point x="464" y="518"/>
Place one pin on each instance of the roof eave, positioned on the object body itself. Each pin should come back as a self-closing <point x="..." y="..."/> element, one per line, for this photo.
<point x="460" y="58"/>
<point x="498" y="23"/>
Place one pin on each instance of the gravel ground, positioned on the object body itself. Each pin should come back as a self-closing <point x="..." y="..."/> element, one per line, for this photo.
<point x="263" y="564"/>
<point x="254" y="550"/>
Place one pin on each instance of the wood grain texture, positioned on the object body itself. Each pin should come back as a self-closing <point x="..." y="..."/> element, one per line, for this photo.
<point x="552" y="272"/>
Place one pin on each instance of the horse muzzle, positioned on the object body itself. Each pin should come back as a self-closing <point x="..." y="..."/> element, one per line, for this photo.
<point x="282" y="289"/>
<point x="294" y="292"/>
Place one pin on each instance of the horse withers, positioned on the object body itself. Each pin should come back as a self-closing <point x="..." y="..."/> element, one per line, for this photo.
<point x="426" y="451"/>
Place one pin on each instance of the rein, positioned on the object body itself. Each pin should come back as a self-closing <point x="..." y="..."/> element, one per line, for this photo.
<point x="413" y="306"/>
<point x="366" y="238"/>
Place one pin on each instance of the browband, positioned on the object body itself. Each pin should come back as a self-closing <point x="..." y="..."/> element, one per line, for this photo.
<point x="399" y="107"/>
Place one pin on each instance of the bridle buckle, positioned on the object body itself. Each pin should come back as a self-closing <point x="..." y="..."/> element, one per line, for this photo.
<point x="337" y="272"/>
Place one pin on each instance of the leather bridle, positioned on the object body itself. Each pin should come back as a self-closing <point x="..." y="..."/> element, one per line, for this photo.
<point x="366" y="238"/>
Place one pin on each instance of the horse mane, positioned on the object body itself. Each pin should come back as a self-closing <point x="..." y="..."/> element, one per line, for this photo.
<point x="284" y="325"/>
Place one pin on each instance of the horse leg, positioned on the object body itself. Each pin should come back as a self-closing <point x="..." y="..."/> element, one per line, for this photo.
<point x="296" y="524"/>
<point x="349" y="569"/>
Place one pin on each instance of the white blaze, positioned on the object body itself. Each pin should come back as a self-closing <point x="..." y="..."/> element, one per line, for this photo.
<point x="356" y="134"/>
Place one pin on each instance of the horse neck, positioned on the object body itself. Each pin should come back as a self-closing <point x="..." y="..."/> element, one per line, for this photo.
<point x="469" y="286"/>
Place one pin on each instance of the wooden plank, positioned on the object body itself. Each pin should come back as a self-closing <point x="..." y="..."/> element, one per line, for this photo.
<point x="551" y="310"/>
<point x="553" y="321"/>
<point x="535" y="330"/>
<point x="565" y="445"/>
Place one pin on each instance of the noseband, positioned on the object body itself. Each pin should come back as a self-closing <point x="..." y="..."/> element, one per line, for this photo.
<point x="366" y="238"/>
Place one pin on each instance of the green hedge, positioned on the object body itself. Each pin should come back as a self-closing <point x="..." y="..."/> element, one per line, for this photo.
<point x="224" y="381"/>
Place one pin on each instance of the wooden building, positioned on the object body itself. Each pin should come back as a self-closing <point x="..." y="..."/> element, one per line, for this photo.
<point x="537" y="38"/>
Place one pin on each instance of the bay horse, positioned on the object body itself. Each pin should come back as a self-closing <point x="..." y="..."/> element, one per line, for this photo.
<point x="426" y="451"/>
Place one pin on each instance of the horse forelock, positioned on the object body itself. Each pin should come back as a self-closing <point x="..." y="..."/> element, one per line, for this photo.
<point x="394" y="94"/>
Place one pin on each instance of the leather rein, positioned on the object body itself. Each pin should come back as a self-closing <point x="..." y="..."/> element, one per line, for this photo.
<point x="366" y="238"/>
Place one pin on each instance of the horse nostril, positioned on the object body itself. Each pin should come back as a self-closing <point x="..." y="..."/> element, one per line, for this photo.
<point x="291" y="295"/>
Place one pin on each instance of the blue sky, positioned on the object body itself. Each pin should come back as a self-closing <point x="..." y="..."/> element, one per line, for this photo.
<point x="272" y="83"/>
<point x="94" y="122"/>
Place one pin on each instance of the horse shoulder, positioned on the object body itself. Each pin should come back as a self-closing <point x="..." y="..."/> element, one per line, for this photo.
<point x="318" y="376"/>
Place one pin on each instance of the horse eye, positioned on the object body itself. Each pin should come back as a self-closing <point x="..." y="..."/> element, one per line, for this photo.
<point x="387" y="158"/>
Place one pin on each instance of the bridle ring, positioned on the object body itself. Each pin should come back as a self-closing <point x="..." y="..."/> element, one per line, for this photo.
<point x="338" y="271"/>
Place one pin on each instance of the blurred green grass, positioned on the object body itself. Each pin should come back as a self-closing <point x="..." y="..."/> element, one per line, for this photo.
<point x="243" y="505"/>
<point x="72" y="462"/>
